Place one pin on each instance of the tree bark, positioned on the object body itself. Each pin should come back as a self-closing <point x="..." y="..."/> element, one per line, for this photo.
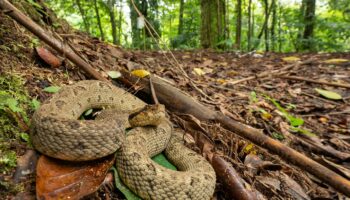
<point x="309" y="21"/>
<point x="110" y="5"/>
<point x="273" y="25"/>
<point x="82" y="13"/>
<point x="99" y="20"/>
<point x="212" y="18"/>
<point x="249" y="35"/>
<point x="267" y="14"/>
<point x="238" y="24"/>
<point x="264" y="29"/>
<point x="181" y="17"/>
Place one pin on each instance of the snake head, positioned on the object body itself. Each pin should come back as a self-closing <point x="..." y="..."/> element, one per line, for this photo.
<point x="150" y="115"/>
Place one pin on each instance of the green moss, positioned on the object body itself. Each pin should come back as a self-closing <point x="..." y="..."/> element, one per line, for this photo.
<point x="14" y="103"/>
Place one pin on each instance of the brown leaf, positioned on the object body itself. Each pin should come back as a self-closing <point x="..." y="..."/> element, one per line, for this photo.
<point x="57" y="179"/>
<point x="48" y="57"/>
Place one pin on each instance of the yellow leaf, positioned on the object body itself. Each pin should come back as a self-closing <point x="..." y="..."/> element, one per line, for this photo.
<point x="221" y="81"/>
<point x="291" y="59"/>
<point x="335" y="61"/>
<point x="198" y="71"/>
<point x="323" y="119"/>
<point x="266" y="116"/>
<point x="140" y="73"/>
<point x="250" y="148"/>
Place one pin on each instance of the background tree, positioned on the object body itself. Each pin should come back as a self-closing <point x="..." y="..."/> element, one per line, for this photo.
<point x="280" y="25"/>
<point x="212" y="22"/>
<point x="309" y="21"/>
<point x="238" y="24"/>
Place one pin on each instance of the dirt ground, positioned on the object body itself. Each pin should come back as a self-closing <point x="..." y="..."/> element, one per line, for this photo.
<point x="266" y="103"/>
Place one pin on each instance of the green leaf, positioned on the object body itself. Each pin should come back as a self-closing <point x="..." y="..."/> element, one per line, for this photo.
<point x="35" y="104"/>
<point x="114" y="74"/>
<point x="329" y="94"/>
<point x="295" y="121"/>
<point x="303" y="131"/>
<point x="88" y="112"/>
<point x="52" y="89"/>
<point x="163" y="161"/>
<point x="25" y="137"/>
<point x="12" y="104"/>
<point x="253" y="98"/>
<point x="129" y="195"/>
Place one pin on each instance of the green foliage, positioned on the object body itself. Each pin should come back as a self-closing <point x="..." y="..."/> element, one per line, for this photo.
<point x="294" y="121"/>
<point x="52" y="89"/>
<point x="331" y="32"/>
<point x="14" y="100"/>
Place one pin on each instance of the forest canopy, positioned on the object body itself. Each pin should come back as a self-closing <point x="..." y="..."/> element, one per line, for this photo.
<point x="246" y="25"/>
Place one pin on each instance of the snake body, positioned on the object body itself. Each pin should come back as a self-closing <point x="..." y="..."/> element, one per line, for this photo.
<point x="57" y="132"/>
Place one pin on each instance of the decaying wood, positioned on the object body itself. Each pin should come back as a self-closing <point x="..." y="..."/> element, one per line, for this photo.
<point x="315" y="81"/>
<point x="177" y="101"/>
<point x="231" y="179"/>
<point x="59" y="46"/>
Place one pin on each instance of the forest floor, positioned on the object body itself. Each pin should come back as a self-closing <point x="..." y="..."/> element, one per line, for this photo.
<point x="268" y="103"/>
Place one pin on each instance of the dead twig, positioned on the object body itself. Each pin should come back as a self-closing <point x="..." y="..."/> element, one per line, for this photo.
<point x="298" y="78"/>
<point x="268" y="73"/>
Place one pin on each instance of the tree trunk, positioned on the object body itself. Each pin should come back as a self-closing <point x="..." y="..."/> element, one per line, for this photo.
<point x="120" y="24"/>
<point x="82" y="13"/>
<point x="181" y="17"/>
<point x="264" y="29"/>
<point x="309" y="21"/>
<point x="280" y="27"/>
<point x="267" y="14"/>
<point x="99" y="20"/>
<point x="298" y="43"/>
<point x="111" y="4"/>
<point x="212" y="18"/>
<point x="249" y="35"/>
<point x="238" y="24"/>
<point x="273" y="25"/>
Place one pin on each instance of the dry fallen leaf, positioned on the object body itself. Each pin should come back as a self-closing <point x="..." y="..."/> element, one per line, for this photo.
<point x="291" y="59"/>
<point x="57" y="179"/>
<point x="140" y="73"/>
<point x="48" y="57"/>
<point x="335" y="61"/>
<point x="198" y="71"/>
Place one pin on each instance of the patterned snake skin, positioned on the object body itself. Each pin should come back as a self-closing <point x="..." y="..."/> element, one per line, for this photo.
<point x="57" y="132"/>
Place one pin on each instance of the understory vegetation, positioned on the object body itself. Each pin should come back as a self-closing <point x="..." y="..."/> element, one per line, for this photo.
<point x="246" y="25"/>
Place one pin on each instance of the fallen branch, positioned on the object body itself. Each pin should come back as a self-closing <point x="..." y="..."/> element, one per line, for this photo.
<point x="315" y="81"/>
<point x="59" y="46"/>
<point x="231" y="179"/>
<point x="269" y="73"/>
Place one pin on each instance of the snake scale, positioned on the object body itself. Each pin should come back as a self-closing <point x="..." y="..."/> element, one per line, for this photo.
<point x="58" y="132"/>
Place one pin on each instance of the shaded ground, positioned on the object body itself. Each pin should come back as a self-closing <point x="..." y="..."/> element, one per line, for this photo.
<point x="324" y="136"/>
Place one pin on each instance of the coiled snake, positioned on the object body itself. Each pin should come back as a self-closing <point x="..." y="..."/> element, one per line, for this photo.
<point x="57" y="132"/>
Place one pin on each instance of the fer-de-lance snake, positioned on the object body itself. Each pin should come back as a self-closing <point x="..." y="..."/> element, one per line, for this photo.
<point x="57" y="132"/>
